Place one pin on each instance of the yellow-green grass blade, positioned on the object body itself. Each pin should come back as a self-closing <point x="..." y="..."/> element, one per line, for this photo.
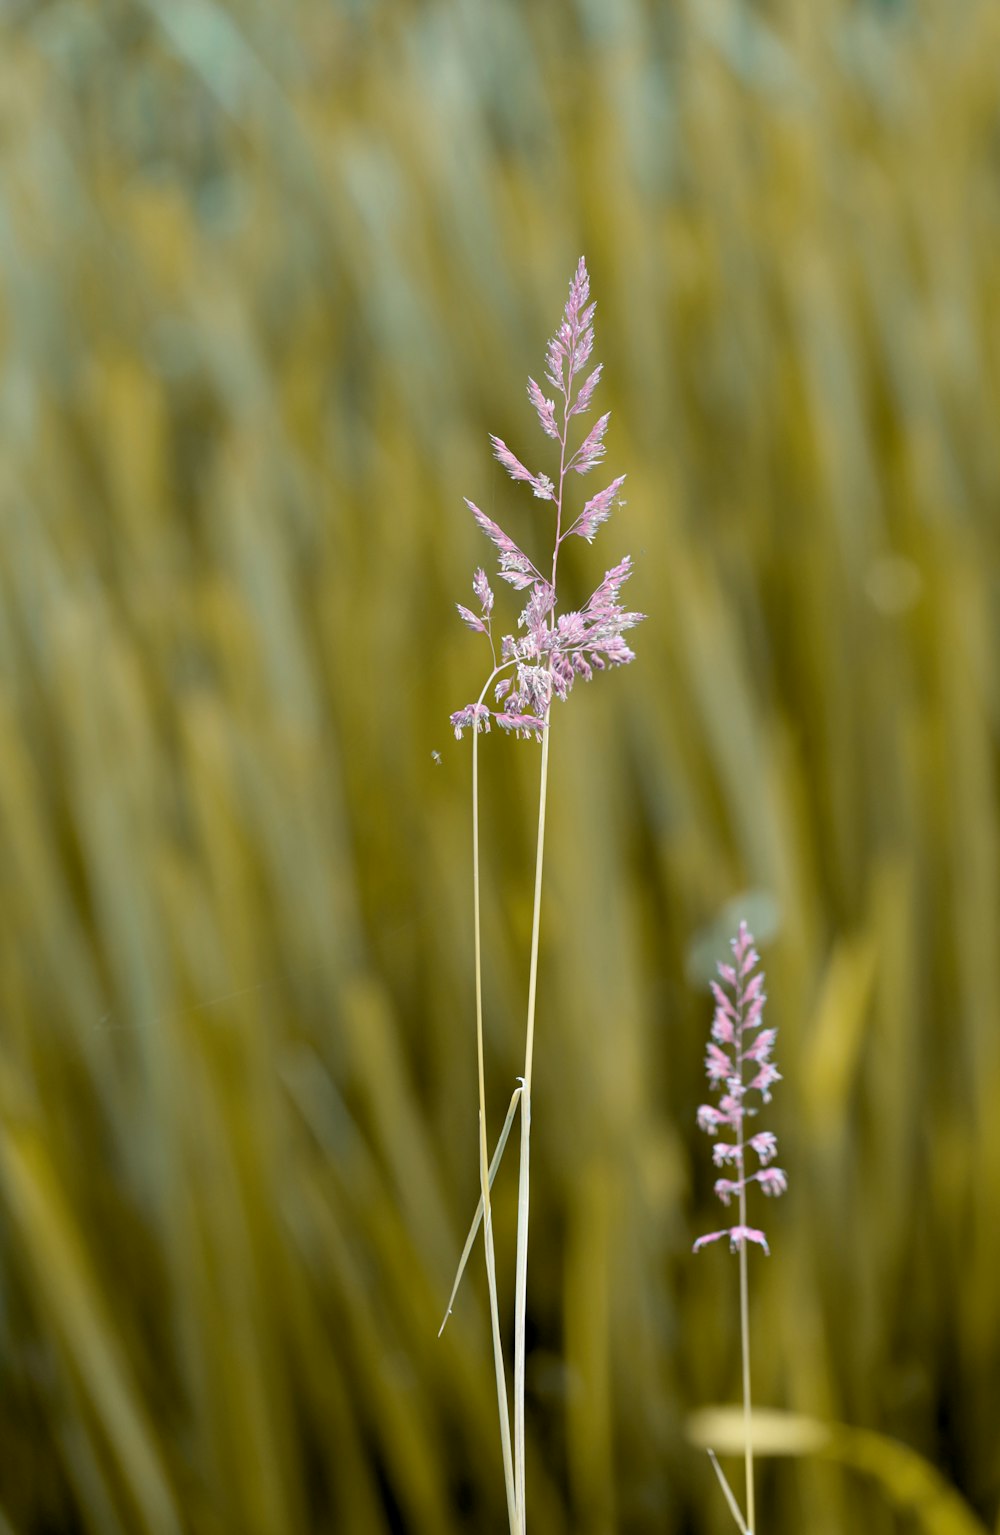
<point x="477" y="1218"/>
<point x="73" y="1307"/>
<point x="908" y="1481"/>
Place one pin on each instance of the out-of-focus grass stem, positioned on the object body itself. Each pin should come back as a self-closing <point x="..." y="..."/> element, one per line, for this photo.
<point x="745" y="1335"/>
<point x="745" y="1302"/>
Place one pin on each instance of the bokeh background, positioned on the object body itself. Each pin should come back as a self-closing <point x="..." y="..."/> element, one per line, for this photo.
<point x="270" y="274"/>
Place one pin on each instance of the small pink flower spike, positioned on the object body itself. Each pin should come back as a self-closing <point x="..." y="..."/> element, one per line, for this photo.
<point x="737" y="1045"/>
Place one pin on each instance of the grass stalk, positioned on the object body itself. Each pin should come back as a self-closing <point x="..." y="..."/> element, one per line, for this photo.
<point x="521" y="1281"/>
<point x="747" y="1408"/>
<point x="548" y="659"/>
<point x="745" y="1320"/>
<point x="503" y="1408"/>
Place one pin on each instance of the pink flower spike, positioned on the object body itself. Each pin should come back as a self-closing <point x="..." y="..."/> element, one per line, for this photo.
<point x="586" y="391"/>
<point x="515" y="566"/>
<point x="597" y="510"/>
<point x="483" y="591"/>
<point x="722" y="1000"/>
<point x="541" y="485"/>
<point x="772" y="1180"/>
<point x="713" y="1236"/>
<point x="605" y="598"/>
<point x="470" y="619"/>
<point x="765" y="1145"/>
<point x="539" y="606"/>
<point x="762" y="1081"/>
<point x="722" y="1028"/>
<point x="472" y="715"/>
<point x="755" y="988"/>
<point x="591" y="450"/>
<point x="545" y="408"/>
<point x="751" y="959"/>
<point x="554" y="368"/>
<point x="753" y="1016"/>
<point x="583" y="348"/>
<point x="738" y="1009"/>
<point x="513" y="465"/>
<point x="742" y="942"/>
<point x="493" y="530"/>
<point x="718" y="1066"/>
<point x="518" y="570"/>
<point x="579" y="293"/>
<point x="552" y="651"/>
<point x="762" y="1046"/>
<point x="740" y="1234"/>
<point x="524" y="725"/>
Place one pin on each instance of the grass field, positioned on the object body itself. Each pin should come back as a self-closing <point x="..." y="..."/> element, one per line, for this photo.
<point x="269" y="277"/>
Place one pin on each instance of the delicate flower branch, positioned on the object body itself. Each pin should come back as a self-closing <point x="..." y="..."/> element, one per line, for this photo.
<point x="737" y="1039"/>
<point x="552" y="652"/>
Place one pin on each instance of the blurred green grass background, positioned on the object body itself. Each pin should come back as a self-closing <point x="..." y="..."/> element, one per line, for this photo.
<point x="269" y="276"/>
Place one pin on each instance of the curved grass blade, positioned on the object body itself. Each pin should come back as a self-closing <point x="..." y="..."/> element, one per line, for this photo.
<point x="477" y="1218"/>
<point x="908" y="1481"/>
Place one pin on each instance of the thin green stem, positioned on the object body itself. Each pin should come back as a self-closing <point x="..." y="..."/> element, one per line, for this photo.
<point x="747" y="1409"/>
<point x="523" y="1186"/>
<point x="521" y="1279"/>
<point x="513" y="1517"/>
<point x="744" y="1288"/>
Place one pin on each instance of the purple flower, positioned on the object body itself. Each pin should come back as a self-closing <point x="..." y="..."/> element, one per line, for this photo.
<point x="773" y="1180"/>
<point x="591" y="450"/>
<point x="540" y="483"/>
<point x="524" y="725"/>
<point x="597" y="510"/>
<point x="482" y="589"/>
<point x="717" y="1064"/>
<point x="738" y="1237"/>
<point x="515" y="566"/>
<point x="765" y="1145"/>
<point x="546" y="410"/>
<point x="587" y="388"/>
<point x="734" y="1042"/>
<point x="473" y="715"/>
<point x="470" y="619"/>
<point x="555" y="649"/>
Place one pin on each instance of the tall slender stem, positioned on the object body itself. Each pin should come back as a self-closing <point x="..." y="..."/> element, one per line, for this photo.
<point x="744" y="1281"/>
<point x="523" y="1186"/>
<point x="521" y="1281"/>
<point x="513" y="1517"/>
<point x="747" y="1410"/>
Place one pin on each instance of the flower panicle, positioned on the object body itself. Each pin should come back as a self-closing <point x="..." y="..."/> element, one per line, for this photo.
<point x="553" y="651"/>
<point x="738" y="1064"/>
